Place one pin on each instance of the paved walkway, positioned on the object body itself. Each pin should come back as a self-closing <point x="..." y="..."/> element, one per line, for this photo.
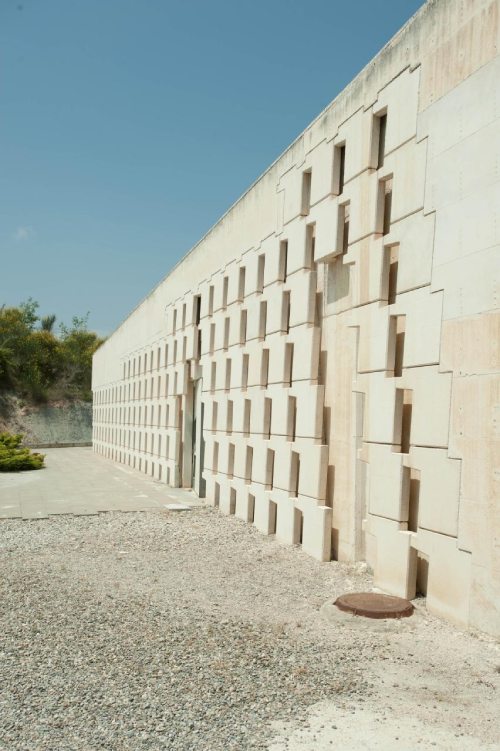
<point x="77" y="481"/>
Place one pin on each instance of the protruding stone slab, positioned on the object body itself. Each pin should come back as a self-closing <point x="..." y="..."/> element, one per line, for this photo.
<point x="177" y="507"/>
<point x="374" y="605"/>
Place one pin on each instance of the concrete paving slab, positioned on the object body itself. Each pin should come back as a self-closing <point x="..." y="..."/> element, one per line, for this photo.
<point x="77" y="481"/>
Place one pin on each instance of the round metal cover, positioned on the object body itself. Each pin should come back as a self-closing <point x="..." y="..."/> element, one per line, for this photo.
<point x="374" y="605"/>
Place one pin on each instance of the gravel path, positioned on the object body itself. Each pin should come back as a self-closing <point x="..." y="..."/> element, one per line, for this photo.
<point x="191" y="631"/>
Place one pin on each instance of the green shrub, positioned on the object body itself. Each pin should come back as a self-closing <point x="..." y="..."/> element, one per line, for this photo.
<point x="10" y="440"/>
<point x="14" y="457"/>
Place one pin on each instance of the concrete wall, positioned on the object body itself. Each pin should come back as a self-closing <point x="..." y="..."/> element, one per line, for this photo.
<point x="62" y="424"/>
<point x="69" y="425"/>
<point x="345" y="338"/>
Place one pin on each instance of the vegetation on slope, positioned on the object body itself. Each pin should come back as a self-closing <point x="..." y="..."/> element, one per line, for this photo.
<point x="39" y="365"/>
<point x="14" y="457"/>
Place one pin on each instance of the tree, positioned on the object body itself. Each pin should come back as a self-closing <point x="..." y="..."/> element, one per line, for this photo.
<point x="78" y="346"/>
<point x="28" y="311"/>
<point x="39" y="365"/>
<point x="44" y="362"/>
<point x="6" y="365"/>
<point x="47" y="323"/>
<point x="15" y="327"/>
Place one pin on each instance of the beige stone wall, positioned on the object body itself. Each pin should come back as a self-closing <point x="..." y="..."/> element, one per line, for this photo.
<point x="345" y="342"/>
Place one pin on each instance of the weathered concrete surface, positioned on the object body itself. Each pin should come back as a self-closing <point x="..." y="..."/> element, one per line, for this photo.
<point x="71" y="423"/>
<point x="76" y="481"/>
<point x="64" y="423"/>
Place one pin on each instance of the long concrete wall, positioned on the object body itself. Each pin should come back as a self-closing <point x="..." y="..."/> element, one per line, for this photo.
<point x="336" y="332"/>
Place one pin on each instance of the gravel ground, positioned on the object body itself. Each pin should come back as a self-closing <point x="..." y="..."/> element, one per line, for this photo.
<point x="191" y="631"/>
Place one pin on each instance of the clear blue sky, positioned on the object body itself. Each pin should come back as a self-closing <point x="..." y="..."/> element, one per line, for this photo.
<point x="127" y="127"/>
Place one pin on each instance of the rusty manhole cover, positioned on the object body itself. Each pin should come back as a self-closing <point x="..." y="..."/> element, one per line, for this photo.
<point x="374" y="605"/>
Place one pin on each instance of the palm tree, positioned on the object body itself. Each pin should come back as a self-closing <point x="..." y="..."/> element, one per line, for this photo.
<point x="47" y="323"/>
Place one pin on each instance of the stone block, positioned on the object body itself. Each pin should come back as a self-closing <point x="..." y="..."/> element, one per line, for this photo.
<point x="253" y="281"/>
<point x="470" y="283"/>
<point x="415" y="236"/>
<point x="236" y="273"/>
<point x="259" y="476"/>
<point x="297" y="257"/>
<point x="471" y="346"/>
<point x="379" y="410"/>
<point x="325" y="216"/>
<point x="302" y="290"/>
<point x="279" y="371"/>
<point x="320" y="161"/>
<point x="306" y="341"/>
<point x="401" y="121"/>
<point x="309" y="402"/>
<point x="226" y="498"/>
<point x="484" y="606"/>
<point x="210" y="487"/>
<point x="385" y="483"/>
<point x="355" y="132"/>
<point x="392" y="569"/>
<point x="449" y="577"/>
<point x="474" y="436"/>
<point x="263" y="511"/>
<point x="423" y="312"/>
<point x="362" y="195"/>
<point x="317" y="529"/>
<point x="244" y="502"/>
<point x="209" y="454"/>
<point x="407" y="167"/>
<point x="431" y="397"/>
<point x="314" y="464"/>
<point x="373" y="324"/>
<point x="204" y="292"/>
<point x="240" y="454"/>
<point x="439" y="490"/>
<point x="279" y="412"/>
<point x="456" y="236"/>
<point x="252" y="306"/>
<point x="291" y="184"/>
<point x="367" y="262"/>
<point x="275" y="320"/>
<point x="271" y="248"/>
<point x="464" y="169"/>
<point x="465" y="110"/>
<point x="220" y="291"/>
<point x="285" y="520"/>
<point x="254" y="352"/>
<point x="282" y="465"/>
